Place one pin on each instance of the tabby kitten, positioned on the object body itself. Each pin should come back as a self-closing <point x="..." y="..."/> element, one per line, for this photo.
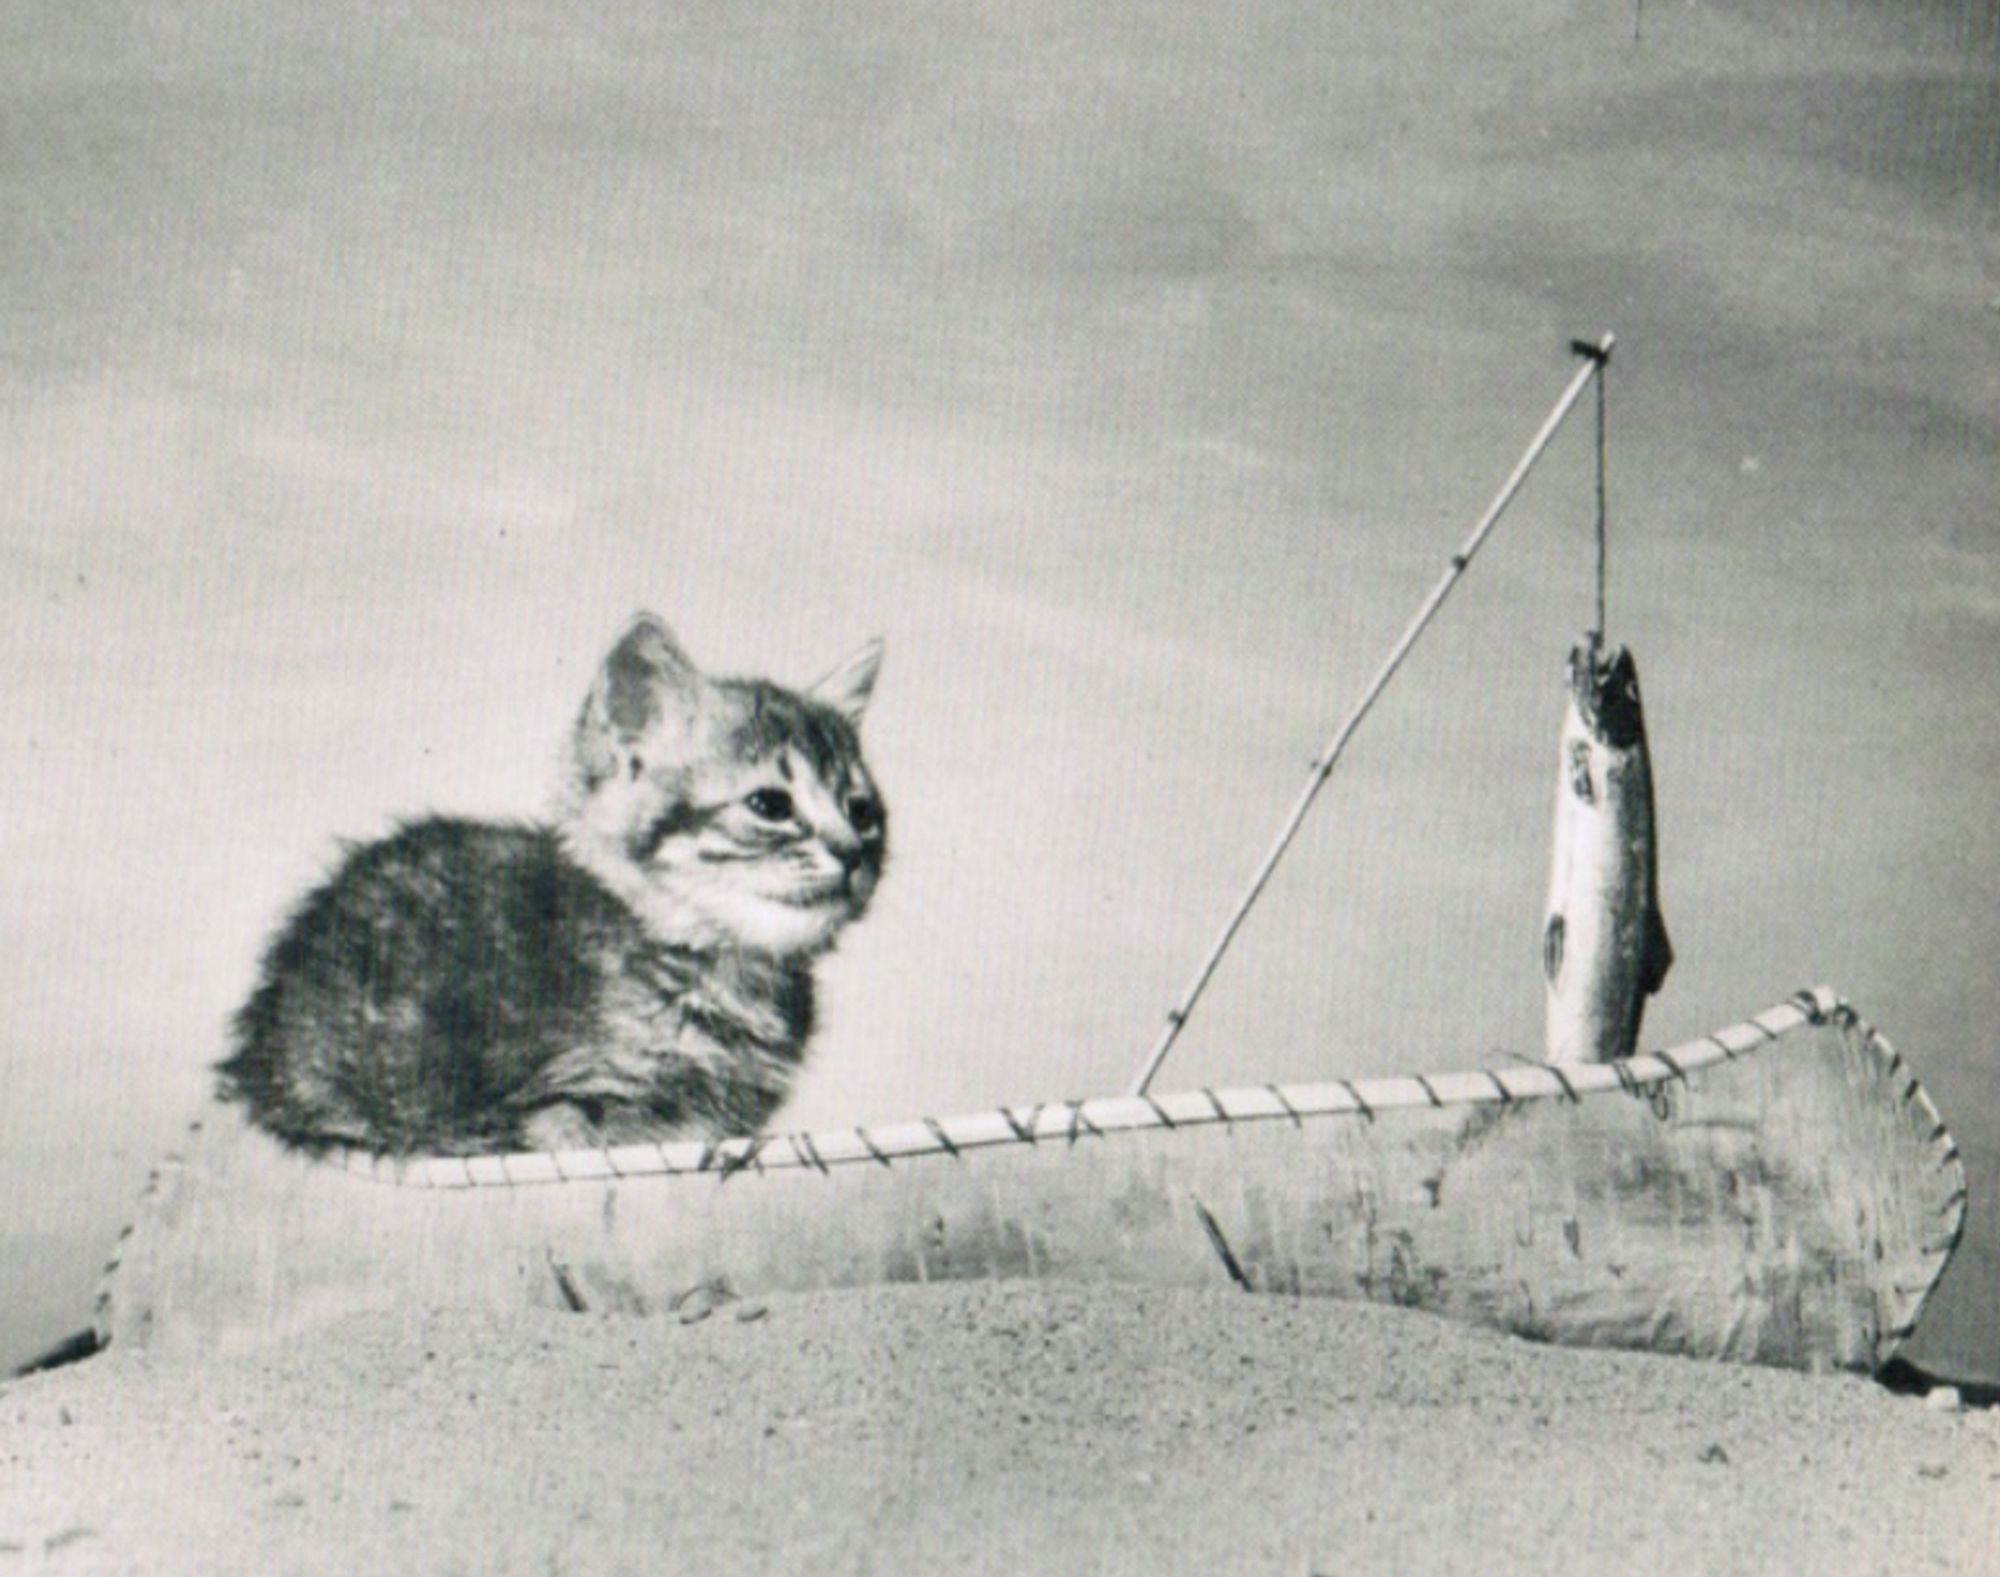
<point x="639" y="970"/>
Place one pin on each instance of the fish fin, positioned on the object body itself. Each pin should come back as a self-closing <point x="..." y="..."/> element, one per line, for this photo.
<point x="1579" y="772"/>
<point x="1659" y="956"/>
<point x="1552" y="947"/>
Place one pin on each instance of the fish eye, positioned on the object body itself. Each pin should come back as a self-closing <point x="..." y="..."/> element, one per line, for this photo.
<point x="769" y="804"/>
<point x="863" y="814"/>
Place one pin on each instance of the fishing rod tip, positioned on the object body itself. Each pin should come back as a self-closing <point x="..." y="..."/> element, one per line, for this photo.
<point x="1600" y="352"/>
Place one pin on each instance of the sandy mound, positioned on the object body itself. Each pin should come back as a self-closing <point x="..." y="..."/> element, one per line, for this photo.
<point x="988" y="1428"/>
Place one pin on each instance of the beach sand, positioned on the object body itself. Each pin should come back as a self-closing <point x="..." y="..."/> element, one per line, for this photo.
<point x="1010" y="1427"/>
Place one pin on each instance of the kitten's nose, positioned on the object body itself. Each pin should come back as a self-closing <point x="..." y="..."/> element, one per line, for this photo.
<point x="845" y="847"/>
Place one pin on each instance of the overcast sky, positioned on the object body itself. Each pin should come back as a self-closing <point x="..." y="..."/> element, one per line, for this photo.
<point x="1133" y="370"/>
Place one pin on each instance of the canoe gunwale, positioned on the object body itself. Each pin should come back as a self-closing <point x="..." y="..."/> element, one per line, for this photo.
<point x="1101" y="1116"/>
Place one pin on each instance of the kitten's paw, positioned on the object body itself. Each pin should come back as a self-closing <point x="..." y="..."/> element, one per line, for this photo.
<point x="561" y="1126"/>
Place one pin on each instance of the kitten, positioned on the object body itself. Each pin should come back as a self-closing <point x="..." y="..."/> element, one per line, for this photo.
<point x="639" y="970"/>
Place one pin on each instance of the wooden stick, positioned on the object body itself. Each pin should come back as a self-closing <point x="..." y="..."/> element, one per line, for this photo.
<point x="1595" y="358"/>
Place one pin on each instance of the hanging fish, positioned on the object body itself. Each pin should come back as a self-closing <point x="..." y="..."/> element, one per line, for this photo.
<point x="1604" y="946"/>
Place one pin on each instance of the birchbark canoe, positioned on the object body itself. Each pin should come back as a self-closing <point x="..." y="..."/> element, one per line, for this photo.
<point x="1781" y="1192"/>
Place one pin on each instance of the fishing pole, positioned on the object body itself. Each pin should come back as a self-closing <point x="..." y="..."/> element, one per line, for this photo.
<point x="1595" y="357"/>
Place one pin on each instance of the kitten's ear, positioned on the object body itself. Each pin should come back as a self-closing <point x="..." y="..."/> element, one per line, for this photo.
<point x="648" y="686"/>
<point x="848" y="687"/>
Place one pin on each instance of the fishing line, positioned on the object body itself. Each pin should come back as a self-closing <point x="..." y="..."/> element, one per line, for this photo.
<point x="1595" y="357"/>
<point x="1602" y="511"/>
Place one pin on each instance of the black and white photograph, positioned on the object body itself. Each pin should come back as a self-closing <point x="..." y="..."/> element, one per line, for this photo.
<point x="897" y="787"/>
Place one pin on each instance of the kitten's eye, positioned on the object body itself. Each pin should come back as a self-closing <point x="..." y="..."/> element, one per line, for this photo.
<point x="770" y="804"/>
<point x="863" y="814"/>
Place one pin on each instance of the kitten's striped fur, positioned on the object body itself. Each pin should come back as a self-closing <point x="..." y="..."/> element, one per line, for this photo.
<point x="638" y="970"/>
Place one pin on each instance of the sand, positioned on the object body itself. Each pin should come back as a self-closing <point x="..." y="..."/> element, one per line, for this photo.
<point x="982" y="1428"/>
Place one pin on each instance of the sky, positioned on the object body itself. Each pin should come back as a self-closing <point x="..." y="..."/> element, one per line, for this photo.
<point x="1132" y="370"/>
